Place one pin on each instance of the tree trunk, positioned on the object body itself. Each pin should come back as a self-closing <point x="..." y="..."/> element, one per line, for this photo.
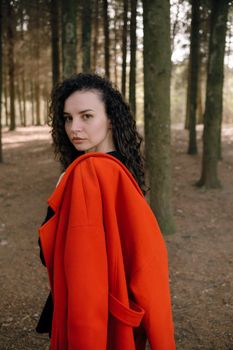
<point x="5" y="76"/>
<point x="106" y="38"/>
<point x="116" y="40"/>
<point x="19" y="98"/>
<point x="86" y="34"/>
<point x="69" y="38"/>
<point x="194" y="73"/>
<point x="24" y="99"/>
<point x="187" y="114"/>
<point x="133" y="45"/>
<point x="1" y="154"/>
<point x="11" y="67"/>
<point x="37" y="68"/>
<point x="214" y="91"/>
<point x="199" y="100"/>
<point x="54" y="15"/>
<point x="124" y="47"/>
<point x="157" y="71"/>
<point x="37" y="100"/>
<point x="96" y="35"/>
<point x="21" y="73"/>
<point x="45" y="110"/>
<point x="32" y="102"/>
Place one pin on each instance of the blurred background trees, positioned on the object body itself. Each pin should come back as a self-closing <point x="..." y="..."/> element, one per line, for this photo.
<point x="109" y="40"/>
<point x="185" y="77"/>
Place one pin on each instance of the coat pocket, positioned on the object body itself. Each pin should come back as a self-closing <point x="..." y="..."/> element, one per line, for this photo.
<point x="131" y="316"/>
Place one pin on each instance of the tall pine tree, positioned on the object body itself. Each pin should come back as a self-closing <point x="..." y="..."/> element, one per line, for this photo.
<point x="69" y="38"/>
<point x="214" y="92"/>
<point x="194" y="74"/>
<point x="54" y="20"/>
<point x="133" y="51"/>
<point x="1" y="155"/>
<point x="157" y="69"/>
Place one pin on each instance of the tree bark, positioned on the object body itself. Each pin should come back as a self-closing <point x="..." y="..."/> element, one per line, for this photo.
<point x="157" y="71"/>
<point x="37" y="100"/>
<point x="194" y="73"/>
<point x="116" y="41"/>
<point x="32" y="101"/>
<point x="106" y="38"/>
<point x="86" y="34"/>
<point x="19" y="98"/>
<point x="11" y="67"/>
<point x="188" y="93"/>
<point x="21" y="72"/>
<point x="133" y="45"/>
<point x="54" y="16"/>
<point x="199" y="100"/>
<point x="124" y="47"/>
<point x="69" y="38"/>
<point x="24" y="98"/>
<point x="96" y="35"/>
<point x="5" y="76"/>
<point x="1" y="153"/>
<point x="214" y="91"/>
<point x="37" y="48"/>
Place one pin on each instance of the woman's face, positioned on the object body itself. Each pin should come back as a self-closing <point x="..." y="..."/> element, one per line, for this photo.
<point x="86" y="123"/>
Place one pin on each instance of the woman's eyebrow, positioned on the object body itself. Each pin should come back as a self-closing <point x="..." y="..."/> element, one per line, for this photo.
<point x="86" y="110"/>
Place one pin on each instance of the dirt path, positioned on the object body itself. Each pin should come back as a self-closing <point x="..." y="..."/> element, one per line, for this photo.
<point x="200" y="253"/>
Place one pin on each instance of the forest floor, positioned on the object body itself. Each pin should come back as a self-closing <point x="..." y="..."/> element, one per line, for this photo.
<point x="200" y="252"/>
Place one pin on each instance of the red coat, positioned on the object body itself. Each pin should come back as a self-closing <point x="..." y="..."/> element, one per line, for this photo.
<point x="106" y="261"/>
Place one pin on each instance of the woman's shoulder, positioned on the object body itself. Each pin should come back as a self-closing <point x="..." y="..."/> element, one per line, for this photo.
<point x="107" y="168"/>
<point x="97" y="165"/>
<point x="103" y="165"/>
<point x="106" y="160"/>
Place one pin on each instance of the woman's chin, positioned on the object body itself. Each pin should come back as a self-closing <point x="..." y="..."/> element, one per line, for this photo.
<point x="80" y="147"/>
<point x="84" y="149"/>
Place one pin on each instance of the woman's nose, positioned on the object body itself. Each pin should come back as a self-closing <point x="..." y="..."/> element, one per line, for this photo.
<point x="76" y="125"/>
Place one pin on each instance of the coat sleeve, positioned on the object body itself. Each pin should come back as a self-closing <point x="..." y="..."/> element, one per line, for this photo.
<point x="151" y="291"/>
<point x="85" y="262"/>
<point x="147" y="265"/>
<point x="144" y="252"/>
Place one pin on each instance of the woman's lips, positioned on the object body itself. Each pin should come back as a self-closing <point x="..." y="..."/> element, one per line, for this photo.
<point x="77" y="140"/>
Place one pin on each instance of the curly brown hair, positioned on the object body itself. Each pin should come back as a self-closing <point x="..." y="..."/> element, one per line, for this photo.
<point x="126" y="138"/>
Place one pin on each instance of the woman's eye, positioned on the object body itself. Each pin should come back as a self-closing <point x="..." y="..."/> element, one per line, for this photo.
<point x="67" y="118"/>
<point x="87" y="116"/>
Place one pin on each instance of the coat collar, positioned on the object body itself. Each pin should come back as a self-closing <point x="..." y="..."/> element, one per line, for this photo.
<point x="56" y="197"/>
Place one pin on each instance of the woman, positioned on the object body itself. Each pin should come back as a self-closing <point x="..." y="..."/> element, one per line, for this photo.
<point x="101" y="244"/>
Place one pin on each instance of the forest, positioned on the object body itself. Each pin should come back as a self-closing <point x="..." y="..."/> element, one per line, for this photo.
<point x="173" y="63"/>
